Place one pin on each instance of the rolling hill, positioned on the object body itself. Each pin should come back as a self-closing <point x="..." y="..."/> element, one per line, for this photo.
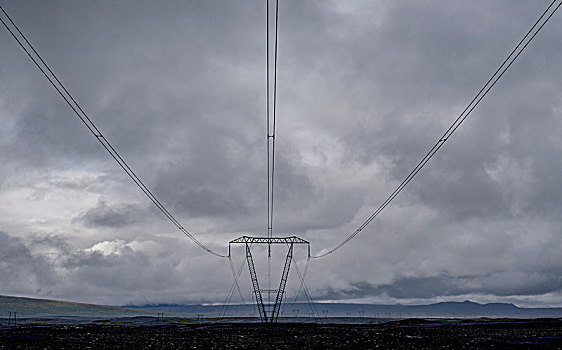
<point x="29" y="307"/>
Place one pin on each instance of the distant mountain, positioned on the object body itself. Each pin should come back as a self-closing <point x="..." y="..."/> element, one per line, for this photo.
<point x="29" y="307"/>
<point x="444" y="309"/>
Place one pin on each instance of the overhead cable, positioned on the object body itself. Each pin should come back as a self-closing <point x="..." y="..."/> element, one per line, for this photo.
<point x="85" y="119"/>
<point x="274" y="110"/>
<point x="307" y="294"/>
<point x="235" y="285"/>
<point x="460" y="119"/>
<point x="271" y="122"/>
<point x="271" y="134"/>
<point x="267" y="116"/>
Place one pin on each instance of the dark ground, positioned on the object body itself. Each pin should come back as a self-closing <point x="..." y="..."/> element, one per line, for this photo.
<point x="413" y="334"/>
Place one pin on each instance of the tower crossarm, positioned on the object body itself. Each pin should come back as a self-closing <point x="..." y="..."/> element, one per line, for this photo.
<point x="268" y="240"/>
<point x="289" y="240"/>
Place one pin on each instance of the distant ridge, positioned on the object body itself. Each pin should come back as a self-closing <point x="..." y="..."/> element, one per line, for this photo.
<point x="30" y="307"/>
<point x="451" y="309"/>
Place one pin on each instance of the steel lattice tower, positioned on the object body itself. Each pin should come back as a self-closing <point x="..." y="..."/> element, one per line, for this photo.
<point x="248" y="241"/>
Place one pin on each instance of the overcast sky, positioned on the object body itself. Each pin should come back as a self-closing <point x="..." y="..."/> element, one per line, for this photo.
<point x="364" y="90"/>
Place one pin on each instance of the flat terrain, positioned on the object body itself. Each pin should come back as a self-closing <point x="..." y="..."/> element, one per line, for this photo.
<point x="413" y="334"/>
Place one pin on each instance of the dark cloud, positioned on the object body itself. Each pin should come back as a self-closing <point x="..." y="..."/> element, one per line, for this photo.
<point x="104" y="215"/>
<point x="444" y="285"/>
<point x="365" y="89"/>
<point x="22" y="272"/>
<point x="50" y="242"/>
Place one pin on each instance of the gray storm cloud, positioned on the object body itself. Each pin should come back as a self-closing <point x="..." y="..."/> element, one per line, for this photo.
<point x="364" y="90"/>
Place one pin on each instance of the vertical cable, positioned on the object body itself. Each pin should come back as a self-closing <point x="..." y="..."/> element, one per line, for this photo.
<point x="274" y="111"/>
<point x="268" y="156"/>
<point x="267" y="115"/>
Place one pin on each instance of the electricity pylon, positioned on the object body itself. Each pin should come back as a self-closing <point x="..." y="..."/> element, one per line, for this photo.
<point x="289" y="242"/>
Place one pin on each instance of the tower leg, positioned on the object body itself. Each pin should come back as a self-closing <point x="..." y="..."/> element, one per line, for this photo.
<point x="282" y="284"/>
<point x="255" y="284"/>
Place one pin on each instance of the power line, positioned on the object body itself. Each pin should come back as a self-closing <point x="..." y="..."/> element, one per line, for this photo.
<point x="303" y="277"/>
<point x="274" y="109"/>
<point x="271" y="122"/>
<point x="85" y="119"/>
<point x="271" y="133"/>
<point x="267" y="115"/>
<point x="307" y="294"/>
<point x="235" y="284"/>
<point x="460" y="119"/>
<point x="269" y="182"/>
<point x="236" y="278"/>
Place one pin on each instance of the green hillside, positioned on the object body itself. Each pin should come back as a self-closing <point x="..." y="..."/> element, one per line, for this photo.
<point x="29" y="307"/>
